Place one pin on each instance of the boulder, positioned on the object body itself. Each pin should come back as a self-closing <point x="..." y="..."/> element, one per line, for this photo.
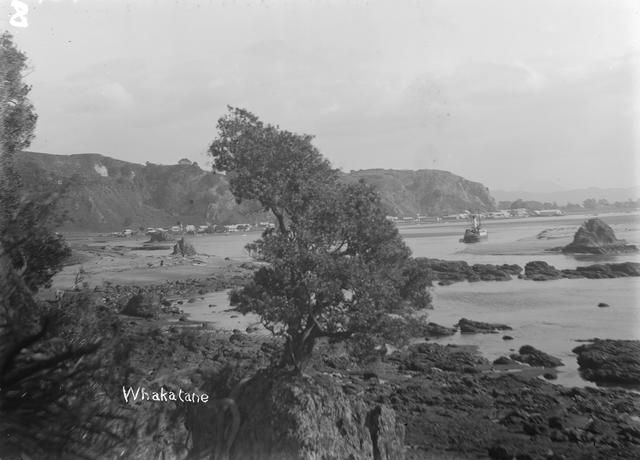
<point x="597" y="237"/>
<point x="285" y="417"/>
<point x="436" y="330"/>
<point x="183" y="248"/>
<point x="610" y="361"/>
<point x="539" y="270"/>
<point x="534" y="357"/>
<point x="503" y="361"/>
<point x="468" y="326"/>
<point x="142" y="306"/>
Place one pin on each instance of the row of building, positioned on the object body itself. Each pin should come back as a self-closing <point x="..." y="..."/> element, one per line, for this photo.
<point x="466" y="215"/>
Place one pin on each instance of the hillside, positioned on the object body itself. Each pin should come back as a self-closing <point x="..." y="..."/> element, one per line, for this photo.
<point x="105" y="194"/>
<point x="427" y="191"/>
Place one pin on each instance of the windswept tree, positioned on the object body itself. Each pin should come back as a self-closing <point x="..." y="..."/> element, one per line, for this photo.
<point x="336" y="267"/>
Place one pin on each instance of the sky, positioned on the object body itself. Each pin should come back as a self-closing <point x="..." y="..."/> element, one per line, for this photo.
<point x="517" y="94"/>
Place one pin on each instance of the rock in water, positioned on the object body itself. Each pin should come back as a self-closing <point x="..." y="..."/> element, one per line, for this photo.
<point x="436" y="330"/>
<point x="597" y="237"/>
<point x="468" y="326"/>
<point x="183" y="248"/>
<point x="534" y="357"/>
<point x="539" y="270"/>
<point x="610" y="361"/>
<point x="286" y="417"/>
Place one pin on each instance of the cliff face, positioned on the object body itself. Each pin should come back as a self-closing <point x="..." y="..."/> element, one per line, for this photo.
<point x="102" y="193"/>
<point x="105" y="194"/>
<point x="427" y="192"/>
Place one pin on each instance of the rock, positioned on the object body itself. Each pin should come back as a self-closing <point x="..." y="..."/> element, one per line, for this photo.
<point x="499" y="453"/>
<point x="450" y="271"/>
<point x="539" y="270"/>
<point x="142" y="306"/>
<point x="503" y="360"/>
<point x="183" y="248"/>
<point x="436" y="330"/>
<point x="610" y="361"/>
<point x="490" y="272"/>
<point x="424" y="357"/>
<point x="468" y="326"/>
<point x="534" y="357"/>
<point x="507" y="337"/>
<point x="284" y="416"/>
<point x="597" y="237"/>
<point x="600" y="271"/>
<point x="603" y="305"/>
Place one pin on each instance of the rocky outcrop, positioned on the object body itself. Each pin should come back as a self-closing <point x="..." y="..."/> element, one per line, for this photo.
<point x="534" y="357"/>
<point x="597" y="237"/>
<point x="539" y="270"/>
<point x="183" y="248"/>
<point x="450" y="271"/>
<point x="598" y="271"/>
<point x="426" y="357"/>
<point x="437" y="330"/>
<point x="142" y="306"/>
<point x="286" y="417"/>
<point x="610" y="361"/>
<point x="468" y="326"/>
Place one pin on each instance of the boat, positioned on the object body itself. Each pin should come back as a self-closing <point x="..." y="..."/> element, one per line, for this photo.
<point x="476" y="233"/>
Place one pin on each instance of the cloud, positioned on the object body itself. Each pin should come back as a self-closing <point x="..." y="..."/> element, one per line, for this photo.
<point x="100" y="98"/>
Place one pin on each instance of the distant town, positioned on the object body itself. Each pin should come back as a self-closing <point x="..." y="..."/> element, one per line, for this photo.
<point x="589" y="206"/>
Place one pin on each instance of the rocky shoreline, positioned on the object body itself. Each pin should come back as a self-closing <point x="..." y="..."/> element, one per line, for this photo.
<point x="446" y="272"/>
<point x="424" y="401"/>
<point x="444" y="401"/>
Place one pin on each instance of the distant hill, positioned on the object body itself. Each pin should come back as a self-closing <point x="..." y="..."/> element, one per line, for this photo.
<point x="427" y="191"/>
<point x="106" y="194"/>
<point x="576" y="196"/>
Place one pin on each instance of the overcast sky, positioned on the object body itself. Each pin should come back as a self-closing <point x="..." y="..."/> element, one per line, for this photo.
<point x="514" y="94"/>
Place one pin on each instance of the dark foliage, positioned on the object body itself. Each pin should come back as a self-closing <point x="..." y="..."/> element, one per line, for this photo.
<point x="53" y="357"/>
<point x="336" y="266"/>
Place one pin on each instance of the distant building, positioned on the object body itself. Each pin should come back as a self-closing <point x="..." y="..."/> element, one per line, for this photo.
<point x="185" y="162"/>
<point x="548" y="213"/>
<point x="519" y="212"/>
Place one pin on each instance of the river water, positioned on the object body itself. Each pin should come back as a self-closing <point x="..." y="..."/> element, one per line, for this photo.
<point x="551" y="315"/>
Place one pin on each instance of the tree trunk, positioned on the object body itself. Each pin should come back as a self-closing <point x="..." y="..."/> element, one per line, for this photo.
<point x="299" y="348"/>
